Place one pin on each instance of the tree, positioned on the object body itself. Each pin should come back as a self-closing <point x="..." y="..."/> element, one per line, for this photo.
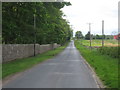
<point x="79" y="35"/>
<point x="100" y="36"/>
<point x="87" y="36"/>
<point x="93" y="36"/>
<point x="18" y="23"/>
<point x="108" y="36"/>
<point x="97" y="36"/>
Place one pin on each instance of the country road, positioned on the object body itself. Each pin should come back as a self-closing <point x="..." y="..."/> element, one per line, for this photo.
<point x="66" y="70"/>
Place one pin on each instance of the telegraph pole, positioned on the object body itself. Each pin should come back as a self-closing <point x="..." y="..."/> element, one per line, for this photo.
<point x="102" y="33"/>
<point x="34" y="30"/>
<point x="90" y="34"/>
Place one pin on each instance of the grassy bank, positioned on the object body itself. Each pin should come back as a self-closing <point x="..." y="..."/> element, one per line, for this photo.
<point x="111" y="51"/>
<point x="105" y="66"/>
<point x="19" y="65"/>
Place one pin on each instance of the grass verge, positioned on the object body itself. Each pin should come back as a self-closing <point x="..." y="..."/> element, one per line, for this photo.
<point x="19" y="65"/>
<point x="105" y="67"/>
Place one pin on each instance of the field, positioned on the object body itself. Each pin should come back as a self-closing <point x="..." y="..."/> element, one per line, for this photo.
<point x="112" y="42"/>
<point x="110" y="47"/>
<point x="105" y="66"/>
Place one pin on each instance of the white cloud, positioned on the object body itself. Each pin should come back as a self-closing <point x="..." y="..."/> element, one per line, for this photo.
<point x="83" y="11"/>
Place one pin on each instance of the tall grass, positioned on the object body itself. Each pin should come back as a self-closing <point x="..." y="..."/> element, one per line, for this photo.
<point x="111" y="51"/>
<point x="105" y="66"/>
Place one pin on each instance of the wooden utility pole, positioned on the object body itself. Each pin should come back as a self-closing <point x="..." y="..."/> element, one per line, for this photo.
<point x="90" y="34"/>
<point x="34" y="30"/>
<point x="102" y="33"/>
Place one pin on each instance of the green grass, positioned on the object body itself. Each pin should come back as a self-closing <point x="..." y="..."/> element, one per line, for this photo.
<point x="94" y="42"/>
<point x="111" y="51"/>
<point x="111" y="42"/>
<point x="19" y="65"/>
<point x="106" y="67"/>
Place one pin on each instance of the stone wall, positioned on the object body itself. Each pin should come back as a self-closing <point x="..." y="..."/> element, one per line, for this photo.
<point x="16" y="51"/>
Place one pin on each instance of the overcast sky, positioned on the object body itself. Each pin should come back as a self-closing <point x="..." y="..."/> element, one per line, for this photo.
<point x="82" y="12"/>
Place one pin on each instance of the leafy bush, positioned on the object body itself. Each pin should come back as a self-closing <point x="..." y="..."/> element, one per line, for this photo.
<point x="111" y="51"/>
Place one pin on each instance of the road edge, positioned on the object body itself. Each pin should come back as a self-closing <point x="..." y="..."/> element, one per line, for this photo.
<point x="11" y="77"/>
<point x="96" y="78"/>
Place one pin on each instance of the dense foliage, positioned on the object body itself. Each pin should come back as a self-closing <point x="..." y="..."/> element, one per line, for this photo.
<point x="111" y="51"/>
<point x="18" y="23"/>
<point x="108" y="36"/>
<point x="98" y="36"/>
<point x="79" y="35"/>
<point x="87" y="36"/>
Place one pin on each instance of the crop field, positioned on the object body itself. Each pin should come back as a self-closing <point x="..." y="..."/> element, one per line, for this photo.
<point x="111" y="43"/>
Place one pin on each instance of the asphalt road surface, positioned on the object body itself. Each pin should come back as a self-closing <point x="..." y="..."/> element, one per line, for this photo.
<point x="66" y="70"/>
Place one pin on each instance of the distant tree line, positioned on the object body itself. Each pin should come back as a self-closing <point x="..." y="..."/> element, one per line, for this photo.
<point x="18" y="23"/>
<point x="79" y="35"/>
<point x="87" y="36"/>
